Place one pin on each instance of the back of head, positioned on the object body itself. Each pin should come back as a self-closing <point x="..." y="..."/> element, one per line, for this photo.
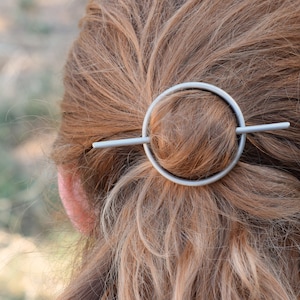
<point x="238" y="238"/>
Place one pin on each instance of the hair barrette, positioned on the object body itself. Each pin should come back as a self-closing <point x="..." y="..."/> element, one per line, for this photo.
<point x="241" y="130"/>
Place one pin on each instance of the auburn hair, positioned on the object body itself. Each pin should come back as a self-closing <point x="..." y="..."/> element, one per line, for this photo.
<point x="238" y="238"/>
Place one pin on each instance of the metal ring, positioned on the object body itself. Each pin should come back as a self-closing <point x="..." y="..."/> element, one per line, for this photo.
<point x="223" y="95"/>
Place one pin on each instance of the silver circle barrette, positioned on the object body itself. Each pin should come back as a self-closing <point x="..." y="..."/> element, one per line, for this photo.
<point x="241" y="130"/>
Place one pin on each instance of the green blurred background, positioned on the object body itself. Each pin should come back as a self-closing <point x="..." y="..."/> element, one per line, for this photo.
<point x="35" y="36"/>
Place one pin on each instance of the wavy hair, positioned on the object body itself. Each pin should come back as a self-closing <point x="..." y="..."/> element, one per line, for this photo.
<point x="238" y="238"/>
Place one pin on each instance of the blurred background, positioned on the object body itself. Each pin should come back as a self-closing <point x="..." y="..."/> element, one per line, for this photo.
<point x="35" y="36"/>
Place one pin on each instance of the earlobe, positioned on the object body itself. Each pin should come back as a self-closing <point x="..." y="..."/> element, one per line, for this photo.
<point x="75" y="201"/>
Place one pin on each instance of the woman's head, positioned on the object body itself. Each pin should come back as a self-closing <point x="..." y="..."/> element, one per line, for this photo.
<point x="235" y="239"/>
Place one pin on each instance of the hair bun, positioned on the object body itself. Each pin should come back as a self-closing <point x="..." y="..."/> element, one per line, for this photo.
<point x="193" y="134"/>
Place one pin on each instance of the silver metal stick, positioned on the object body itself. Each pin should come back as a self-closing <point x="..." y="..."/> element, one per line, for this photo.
<point x="263" y="127"/>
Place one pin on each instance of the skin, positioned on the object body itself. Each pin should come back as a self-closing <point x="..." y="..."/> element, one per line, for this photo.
<point x="75" y="201"/>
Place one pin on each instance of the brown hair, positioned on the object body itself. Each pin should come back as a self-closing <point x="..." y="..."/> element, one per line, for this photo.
<point x="238" y="238"/>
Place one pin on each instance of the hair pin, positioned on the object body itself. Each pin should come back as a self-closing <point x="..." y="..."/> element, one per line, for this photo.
<point x="241" y="130"/>
<point x="145" y="140"/>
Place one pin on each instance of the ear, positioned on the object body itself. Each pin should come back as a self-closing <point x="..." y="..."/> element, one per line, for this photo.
<point x="75" y="200"/>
